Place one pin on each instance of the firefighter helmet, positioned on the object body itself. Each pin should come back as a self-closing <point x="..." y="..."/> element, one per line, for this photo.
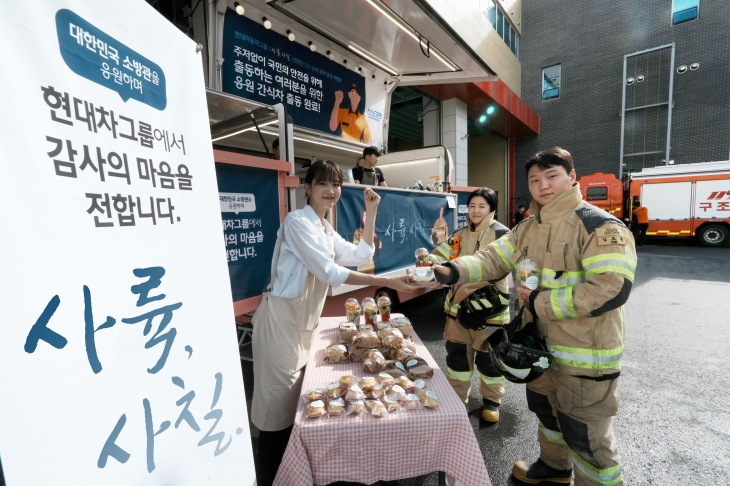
<point x="482" y="304"/>
<point x="522" y="356"/>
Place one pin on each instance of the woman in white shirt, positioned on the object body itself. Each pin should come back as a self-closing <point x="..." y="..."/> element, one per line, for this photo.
<point x="309" y="256"/>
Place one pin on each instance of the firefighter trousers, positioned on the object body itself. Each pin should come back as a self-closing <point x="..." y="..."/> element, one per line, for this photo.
<point x="465" y="349"/>
<point x="576" y="426"/>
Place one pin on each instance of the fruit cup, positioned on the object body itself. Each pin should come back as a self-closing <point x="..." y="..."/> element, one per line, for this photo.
<point x="384" y="308"/>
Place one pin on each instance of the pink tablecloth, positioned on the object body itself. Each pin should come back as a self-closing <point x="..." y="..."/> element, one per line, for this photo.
<point x="366" y="449"/>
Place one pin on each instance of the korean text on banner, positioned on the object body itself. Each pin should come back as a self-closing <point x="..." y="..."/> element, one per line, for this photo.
<point x="119" y="363"/>
<point x="406" y="221"/>
<point x="249" y="205"/>
<point x="264" y="66"/>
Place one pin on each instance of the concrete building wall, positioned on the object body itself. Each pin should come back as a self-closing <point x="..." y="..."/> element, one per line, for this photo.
<point x="454" y="136"/>
<point x="430" y="119"/>
<point x="487" y="168"/>
<point x="590" y="44"/>
<point x="468" y="21"/>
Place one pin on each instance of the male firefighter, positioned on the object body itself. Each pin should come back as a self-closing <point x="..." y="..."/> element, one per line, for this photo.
<point x="587" y="261"/>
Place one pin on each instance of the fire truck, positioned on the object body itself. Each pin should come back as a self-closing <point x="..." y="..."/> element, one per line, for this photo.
<point x="687" y="200"/>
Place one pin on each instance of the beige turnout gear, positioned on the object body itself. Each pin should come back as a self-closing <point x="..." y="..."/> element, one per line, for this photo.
<point x="283" y="330"/>
<point x="586" y="261"/>
<point x="577" y="411"/>
<point x="462" y="343"/>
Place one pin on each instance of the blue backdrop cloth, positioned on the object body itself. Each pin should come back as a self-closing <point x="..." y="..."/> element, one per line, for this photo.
<point x="404" y="223"/>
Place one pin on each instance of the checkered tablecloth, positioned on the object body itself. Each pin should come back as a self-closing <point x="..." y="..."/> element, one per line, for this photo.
<point x="366" y="449"/>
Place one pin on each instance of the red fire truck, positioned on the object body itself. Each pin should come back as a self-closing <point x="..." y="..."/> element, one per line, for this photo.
<point x="683" y="200"/>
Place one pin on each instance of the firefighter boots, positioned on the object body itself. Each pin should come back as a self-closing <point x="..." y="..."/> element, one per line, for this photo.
<point x="540" y="472"/>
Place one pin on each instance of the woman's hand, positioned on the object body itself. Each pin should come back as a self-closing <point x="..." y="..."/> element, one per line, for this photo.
<point x="371" y="200"/>
<point x="401" y="284"/>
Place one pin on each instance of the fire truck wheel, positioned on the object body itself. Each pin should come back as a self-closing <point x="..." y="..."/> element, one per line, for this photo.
<point x="713" y="235"/>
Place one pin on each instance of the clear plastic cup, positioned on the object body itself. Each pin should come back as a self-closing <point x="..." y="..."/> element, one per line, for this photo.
<point x="384" y="305"/>
<point x="421" y="260"/>
<point x="350" y="304"/>
<point x="353" y="313"/>
<point x="528" y="274"/>
<point x="370" y="310"/>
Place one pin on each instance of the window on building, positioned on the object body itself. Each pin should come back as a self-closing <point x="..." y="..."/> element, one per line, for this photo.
<point x="684" y="10"/>
<point x="597" y="194"/>
<point x="500" y="21"/>
<point x="551" y="82"/>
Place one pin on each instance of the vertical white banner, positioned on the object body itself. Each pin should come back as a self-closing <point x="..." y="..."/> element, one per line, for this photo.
<point x="377" y="96"/>
<point x="118" y="354"/>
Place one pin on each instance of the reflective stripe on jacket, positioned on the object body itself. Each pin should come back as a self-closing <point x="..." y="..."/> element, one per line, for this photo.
<point x="472" y="241"/>
<point x="586" y="260"/>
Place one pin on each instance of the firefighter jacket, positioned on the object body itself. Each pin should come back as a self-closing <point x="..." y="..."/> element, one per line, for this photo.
<point x="586" y="259"/>
<point x="488" y="231"/>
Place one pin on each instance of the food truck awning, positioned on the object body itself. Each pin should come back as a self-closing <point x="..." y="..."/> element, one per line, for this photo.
<point x="405" y="38"/>
<point x="232" y="128"/>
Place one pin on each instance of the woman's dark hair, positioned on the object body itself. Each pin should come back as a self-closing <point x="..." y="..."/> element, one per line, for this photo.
<point x="323" y="170"/>
<point x="550" y="158"/>
<point x="489" y="195"/>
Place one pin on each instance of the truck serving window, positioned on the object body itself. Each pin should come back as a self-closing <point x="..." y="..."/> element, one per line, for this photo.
<point x="597" y="193"/>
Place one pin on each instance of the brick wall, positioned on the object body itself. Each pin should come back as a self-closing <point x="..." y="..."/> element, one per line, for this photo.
<point x="589" y="40"/>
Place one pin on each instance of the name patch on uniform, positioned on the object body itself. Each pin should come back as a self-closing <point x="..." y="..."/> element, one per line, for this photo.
<point x="610" y="234"/>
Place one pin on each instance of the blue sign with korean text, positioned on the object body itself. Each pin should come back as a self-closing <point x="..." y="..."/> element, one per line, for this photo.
<point x="249" y="199"/>
<point x="320" y="94"/>
<point x="405" y="222"/>
<point x="462" y="208"/>
<point x="100" y="58"/>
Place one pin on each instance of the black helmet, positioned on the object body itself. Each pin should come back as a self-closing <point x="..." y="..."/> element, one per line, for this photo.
<point x="484" y="303"/>
<point x="521" y="357"/>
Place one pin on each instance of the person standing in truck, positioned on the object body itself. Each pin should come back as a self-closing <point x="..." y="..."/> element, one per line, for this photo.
<point x="367" y="173"/>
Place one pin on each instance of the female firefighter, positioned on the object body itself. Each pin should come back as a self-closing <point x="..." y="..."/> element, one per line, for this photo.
<point x="466" y="347"/>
